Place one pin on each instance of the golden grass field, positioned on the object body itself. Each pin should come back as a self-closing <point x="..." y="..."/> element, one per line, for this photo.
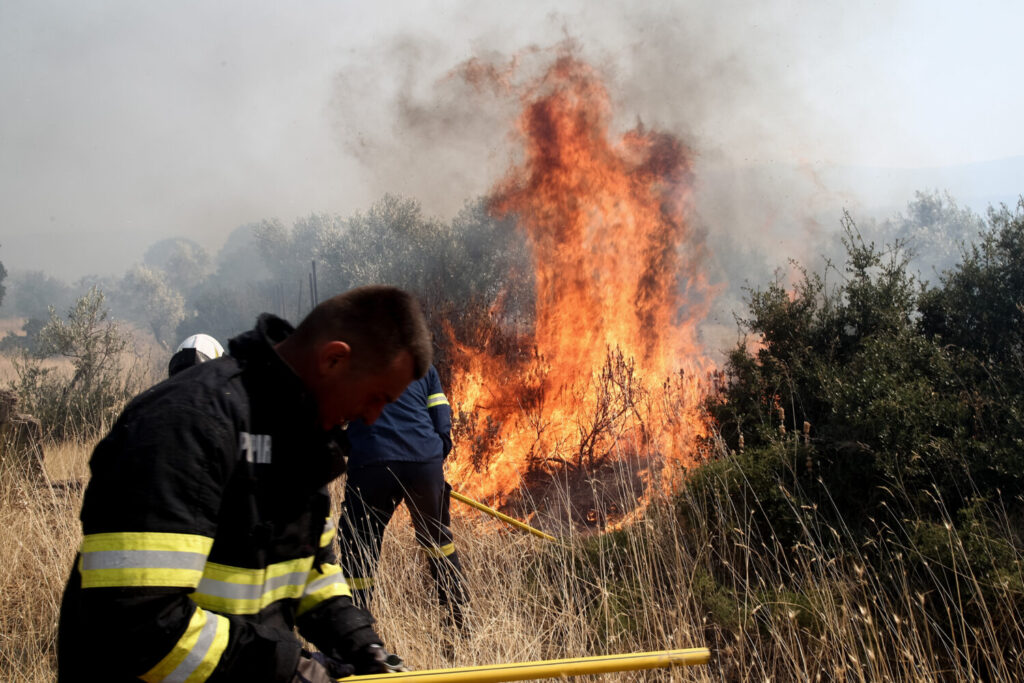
<point x="512" y="618"/>
<point x="532" y="599"/>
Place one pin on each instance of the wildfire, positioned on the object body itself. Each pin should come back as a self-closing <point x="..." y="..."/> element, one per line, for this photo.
<point x="611" y="368"/>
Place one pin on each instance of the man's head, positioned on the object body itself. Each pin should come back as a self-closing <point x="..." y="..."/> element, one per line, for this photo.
<point x="358" y="351"/>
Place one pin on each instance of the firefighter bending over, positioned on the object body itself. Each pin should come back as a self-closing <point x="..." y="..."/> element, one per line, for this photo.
<point x="401" y="457"/>
<point x="207" y="531"/>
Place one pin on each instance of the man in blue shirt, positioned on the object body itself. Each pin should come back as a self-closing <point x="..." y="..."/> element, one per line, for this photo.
<point x="400" y="457"/>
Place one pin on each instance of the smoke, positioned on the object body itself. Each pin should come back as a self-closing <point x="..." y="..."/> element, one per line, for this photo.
<point x="430" y="123"/>
<point x="124" y="123"/>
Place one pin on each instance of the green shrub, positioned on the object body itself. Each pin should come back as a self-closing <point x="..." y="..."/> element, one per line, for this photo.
<point x="876" y="420"/>
<point x="83" y="403"/>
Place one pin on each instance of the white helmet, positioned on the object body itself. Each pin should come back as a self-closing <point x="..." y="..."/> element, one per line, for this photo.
<point x="193" y="351"/>
<point x="204" y="344"/>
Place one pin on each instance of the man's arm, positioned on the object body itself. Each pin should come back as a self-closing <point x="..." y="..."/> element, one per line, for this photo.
<point x="439" y="409"/>
<point x="329" y="619"/>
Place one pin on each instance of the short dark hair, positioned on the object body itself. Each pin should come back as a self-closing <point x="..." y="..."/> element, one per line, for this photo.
<point x="378" y="322"/>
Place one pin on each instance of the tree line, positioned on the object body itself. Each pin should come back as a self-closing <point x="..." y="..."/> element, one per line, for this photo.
<point x="179" y="289"/>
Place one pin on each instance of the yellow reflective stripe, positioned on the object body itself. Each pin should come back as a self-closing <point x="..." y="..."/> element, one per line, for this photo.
<point x="123" y="559"/>
<point x="435" y="400"/>
<point x="240" y="590"/>
<point x="360" y="583"/>
<point x="196" y="654"/>
<point x="147" y="540"/>
<point x="322" y="585"/>
<point x="439" y="552"/>
<point x="327" y="537"/>
<point x="246" y="575"/>
<point x="119" y="578"/>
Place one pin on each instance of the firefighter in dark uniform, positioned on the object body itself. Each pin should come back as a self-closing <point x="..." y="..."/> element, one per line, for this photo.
<point x="206" y="521"/>
<point x="400" y="457"/>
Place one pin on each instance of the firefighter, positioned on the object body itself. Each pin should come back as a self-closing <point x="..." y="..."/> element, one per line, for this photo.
<point x="400" y="457"/>
<point x="206" y="521"/>
<point x="196" y="349"/>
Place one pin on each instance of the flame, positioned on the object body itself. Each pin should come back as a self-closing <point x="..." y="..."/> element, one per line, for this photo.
<point x="612" y="365"/>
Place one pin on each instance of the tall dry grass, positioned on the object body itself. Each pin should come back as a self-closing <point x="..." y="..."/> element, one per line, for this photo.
<point x="826" y="610"/>
<point x="838" y="606"/>
<point x="832" y="608"/>
<point x="530" y="599"/>
<point x="39" y="536"/>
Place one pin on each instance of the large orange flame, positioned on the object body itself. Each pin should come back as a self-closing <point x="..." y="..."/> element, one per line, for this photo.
<point x="615" y="363"/>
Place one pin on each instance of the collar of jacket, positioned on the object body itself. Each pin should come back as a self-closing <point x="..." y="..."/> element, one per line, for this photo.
<point x="254" y="350"/>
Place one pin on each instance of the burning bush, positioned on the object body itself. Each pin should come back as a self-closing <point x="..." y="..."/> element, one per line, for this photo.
<point x="617" y="297"/>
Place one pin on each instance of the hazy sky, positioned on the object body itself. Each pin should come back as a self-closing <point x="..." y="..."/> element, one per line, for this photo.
<point x="125" y="122"/>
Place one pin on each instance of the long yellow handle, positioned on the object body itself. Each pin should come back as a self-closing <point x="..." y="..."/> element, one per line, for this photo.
<point x="551" y="668"/>
<point x="503" y="517"/>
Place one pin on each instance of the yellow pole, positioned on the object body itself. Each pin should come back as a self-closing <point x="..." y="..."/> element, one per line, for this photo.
<point x="505" y="518"/>
<point x="551" y="668"/>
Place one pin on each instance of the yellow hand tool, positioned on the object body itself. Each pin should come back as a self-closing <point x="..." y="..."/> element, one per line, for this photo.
<point x="503" y="517"/>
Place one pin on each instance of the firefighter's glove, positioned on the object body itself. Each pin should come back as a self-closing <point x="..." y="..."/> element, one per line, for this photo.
<point x="316" y="667"/>
<point x="374" y="659"/>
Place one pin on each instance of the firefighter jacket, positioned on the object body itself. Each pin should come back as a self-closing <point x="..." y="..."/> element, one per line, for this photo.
<point x="207" y="536"/>
<point x="414" y="428"/>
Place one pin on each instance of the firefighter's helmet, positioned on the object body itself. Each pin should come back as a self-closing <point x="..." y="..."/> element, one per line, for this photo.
<point x="193" y="351"/>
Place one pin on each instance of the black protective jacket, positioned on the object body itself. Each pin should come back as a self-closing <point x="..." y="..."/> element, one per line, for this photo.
<point x="207" y="534"/>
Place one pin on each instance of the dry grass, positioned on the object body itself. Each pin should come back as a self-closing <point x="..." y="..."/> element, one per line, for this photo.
<point x="529" y="602"/>
<point x="39" y="536"/>
<point x="645" y="588"/>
